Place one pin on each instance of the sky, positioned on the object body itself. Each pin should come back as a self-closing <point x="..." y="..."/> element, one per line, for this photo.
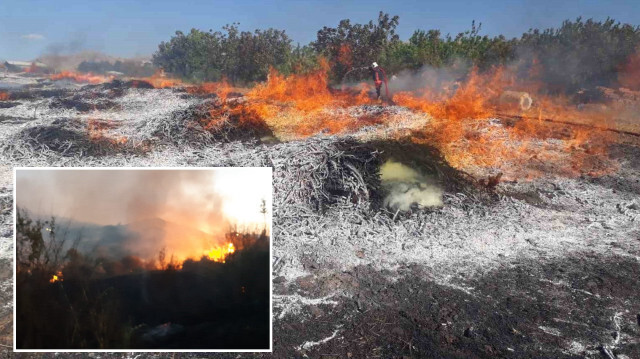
<point x="207" y="200"/>
<point x="128" y="28"/>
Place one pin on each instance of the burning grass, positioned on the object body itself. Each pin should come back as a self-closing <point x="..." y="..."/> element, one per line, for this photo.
<point x="488" y="123"/>
<point x="462" y="121"/>
<point x="81" y="77"/>
<point x="464" y="129"/>
<point x="304" y="105"/>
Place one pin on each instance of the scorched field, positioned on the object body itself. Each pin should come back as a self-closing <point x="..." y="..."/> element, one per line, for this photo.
<point x="484" y="221"/>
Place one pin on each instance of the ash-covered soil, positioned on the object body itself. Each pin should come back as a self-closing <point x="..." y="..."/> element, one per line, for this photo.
<point x="545" y="268"/>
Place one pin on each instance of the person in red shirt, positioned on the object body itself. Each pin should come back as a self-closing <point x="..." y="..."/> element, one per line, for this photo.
<point x="379" y="76"/>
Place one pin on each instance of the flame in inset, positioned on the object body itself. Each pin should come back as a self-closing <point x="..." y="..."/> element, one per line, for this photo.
<point x="57" y="277"/>
<point x="219" y="253"/>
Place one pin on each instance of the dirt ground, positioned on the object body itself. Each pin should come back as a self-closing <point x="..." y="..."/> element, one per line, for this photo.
<point x="548" y="268"/>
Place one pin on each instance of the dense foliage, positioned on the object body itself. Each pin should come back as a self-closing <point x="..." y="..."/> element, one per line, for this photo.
<point x="582" y="53"/>
<point x="579" y="53"/>
<point x="240" y="56"/>
<point x="356" y="45"/>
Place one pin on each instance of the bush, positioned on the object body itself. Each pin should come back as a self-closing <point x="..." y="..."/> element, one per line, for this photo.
<point x="239" y="56"/>
<point x="581" y="53"/>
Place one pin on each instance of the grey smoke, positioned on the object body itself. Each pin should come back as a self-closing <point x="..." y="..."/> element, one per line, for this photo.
<point x="125" y="211"/>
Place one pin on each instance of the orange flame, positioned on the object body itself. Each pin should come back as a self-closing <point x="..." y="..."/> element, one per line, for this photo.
<point x="97" y="129"/>
<point x="463" y="130"/>
<point x="629" y="75"/>
<point x="221" y="89"/>
<point x="303" y="104"/>
<point x="4" y="96"/>
<point x="57" y="277"/>
<point x="160" y="80"/>
<point x="345" y="55"/>
<point x="81" y="78"/>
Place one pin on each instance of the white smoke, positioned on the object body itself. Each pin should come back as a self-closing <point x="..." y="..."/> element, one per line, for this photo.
<point x="407" y="187"/>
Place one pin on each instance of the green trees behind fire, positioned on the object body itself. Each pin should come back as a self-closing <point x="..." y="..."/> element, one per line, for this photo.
<point x="578" y="53"/>
<point x="240" y="56"/>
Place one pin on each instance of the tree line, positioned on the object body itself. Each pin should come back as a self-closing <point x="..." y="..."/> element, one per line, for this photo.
<point x="576" y="54"/>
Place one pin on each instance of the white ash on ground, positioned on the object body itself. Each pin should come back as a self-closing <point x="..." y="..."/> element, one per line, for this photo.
<point x="330" y="222"/>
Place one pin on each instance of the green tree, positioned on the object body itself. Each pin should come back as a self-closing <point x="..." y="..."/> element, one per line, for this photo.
<point x="242" y="57"/>
<point x="581" y="53"/>
<point x="356" y="45"/>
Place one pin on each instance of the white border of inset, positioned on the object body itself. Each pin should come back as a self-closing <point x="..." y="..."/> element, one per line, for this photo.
<point x="270" y="350"/>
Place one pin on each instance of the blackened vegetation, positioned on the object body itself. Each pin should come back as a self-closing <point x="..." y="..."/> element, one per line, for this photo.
<point x="334" y="173"/>
<point x="71" y="137"/>
<point x="569" y="308"/>
<point x="204" y="305"/>
<point x="34" y="94"/>
<point x="8" y="104"/>
<point x="115" y="88"/>
<point x="86" y="94"/>
<point x="326" y="172"/>
<point x="350" y="172"/>
<point x="213" y="122"/>
<point x="139" y="84"/>
<point x="429" y="161"/>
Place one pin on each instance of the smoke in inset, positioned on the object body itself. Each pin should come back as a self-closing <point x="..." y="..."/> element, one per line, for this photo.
<point x="142" y="211"/>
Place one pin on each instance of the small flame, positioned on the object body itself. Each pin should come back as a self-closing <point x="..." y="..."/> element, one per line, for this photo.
<point x="160" y="80"/>
<point x="4" y="96"/>
<point x="81" y="78"/>
<point x="56" y="277"/>
<point x="97" y="129"/>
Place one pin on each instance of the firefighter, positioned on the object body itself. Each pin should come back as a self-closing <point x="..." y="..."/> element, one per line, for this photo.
<point x="379" y="76"/>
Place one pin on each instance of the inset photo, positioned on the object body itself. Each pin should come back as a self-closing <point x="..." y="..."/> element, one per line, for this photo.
<point x="143" y="259"/>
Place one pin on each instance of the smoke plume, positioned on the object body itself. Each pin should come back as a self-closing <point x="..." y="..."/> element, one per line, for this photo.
<point x="136" y="211"/>
<point x="407" y="187"/>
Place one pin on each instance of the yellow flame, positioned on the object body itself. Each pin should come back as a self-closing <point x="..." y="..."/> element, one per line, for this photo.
<point x="56" y="277"/>
<point x="218" y="254"/>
